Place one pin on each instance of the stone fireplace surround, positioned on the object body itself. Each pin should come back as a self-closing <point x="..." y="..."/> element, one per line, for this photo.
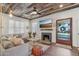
<point x="46" y="37"/>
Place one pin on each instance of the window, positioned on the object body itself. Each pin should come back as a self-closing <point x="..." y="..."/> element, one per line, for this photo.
<point x="34" y="27"/>
<point x="22" y="27"/>
<point x="17" y="27"/>
<point x="11" y="27"/>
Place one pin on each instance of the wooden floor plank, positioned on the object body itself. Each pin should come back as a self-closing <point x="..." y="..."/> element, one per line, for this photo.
<point x="59" y="51"/>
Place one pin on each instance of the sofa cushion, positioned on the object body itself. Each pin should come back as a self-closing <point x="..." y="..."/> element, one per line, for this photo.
<point x="17" y="41"/>
<point x="7" y="44"/>
<point x="21" y="50"/>
<point x="1" y="49"/>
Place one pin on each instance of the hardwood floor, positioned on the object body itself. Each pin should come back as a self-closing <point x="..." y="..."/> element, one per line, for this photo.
<point x="59" y="51"/>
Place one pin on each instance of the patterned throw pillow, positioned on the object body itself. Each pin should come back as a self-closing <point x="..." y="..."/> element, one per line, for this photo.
<point x="17" y="41"/>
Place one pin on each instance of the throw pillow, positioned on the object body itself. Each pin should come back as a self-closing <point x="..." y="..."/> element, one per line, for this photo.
<point x="7" y="44"/>
<point x="17" y="41"/>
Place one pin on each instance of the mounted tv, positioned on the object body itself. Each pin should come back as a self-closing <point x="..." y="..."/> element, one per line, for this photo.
<point x="47" y="23"/>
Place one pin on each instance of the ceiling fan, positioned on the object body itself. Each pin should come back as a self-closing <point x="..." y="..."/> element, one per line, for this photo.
<point x="34" y="11"/>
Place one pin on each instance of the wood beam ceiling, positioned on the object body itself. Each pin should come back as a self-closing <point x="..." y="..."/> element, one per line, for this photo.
<point x="50" y="8"/>
<point x="10" y="7"/>
<point x="59" y="10"/>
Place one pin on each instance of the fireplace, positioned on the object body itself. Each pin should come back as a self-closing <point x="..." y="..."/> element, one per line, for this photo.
<point x="46" y="37"/>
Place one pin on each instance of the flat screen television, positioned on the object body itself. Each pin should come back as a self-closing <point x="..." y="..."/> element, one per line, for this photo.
<point x="47" y="23"/>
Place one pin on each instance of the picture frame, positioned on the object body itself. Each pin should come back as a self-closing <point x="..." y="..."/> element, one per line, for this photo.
<point x="64" y="31"/>
<point x="45" y="23"/>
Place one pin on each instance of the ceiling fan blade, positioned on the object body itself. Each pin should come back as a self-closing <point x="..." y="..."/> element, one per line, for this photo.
<point x="38" y="13"/>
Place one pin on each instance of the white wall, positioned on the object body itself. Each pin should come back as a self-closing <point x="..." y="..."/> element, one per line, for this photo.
<point x="74" y="13"/>
<point x="0" y="24"/>
<point x="4" y="23"/>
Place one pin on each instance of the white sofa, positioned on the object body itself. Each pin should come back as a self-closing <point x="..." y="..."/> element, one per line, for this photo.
<point x="21" y="50"/>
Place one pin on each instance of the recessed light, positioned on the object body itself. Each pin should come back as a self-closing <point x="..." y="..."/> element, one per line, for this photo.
<point x="61" y="5"/>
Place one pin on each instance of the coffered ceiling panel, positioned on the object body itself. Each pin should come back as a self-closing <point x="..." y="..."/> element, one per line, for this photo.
<point x="25" y="10"/>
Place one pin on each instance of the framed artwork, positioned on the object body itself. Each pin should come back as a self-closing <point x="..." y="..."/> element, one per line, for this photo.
<point x="64" y="31"/>
<point x="46" y="23"/>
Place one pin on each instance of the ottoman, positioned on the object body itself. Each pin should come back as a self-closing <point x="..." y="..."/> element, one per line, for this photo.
<point x="37" y="50"/>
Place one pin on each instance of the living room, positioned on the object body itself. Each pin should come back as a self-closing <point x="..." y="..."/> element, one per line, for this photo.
<point x="39" y="29"/>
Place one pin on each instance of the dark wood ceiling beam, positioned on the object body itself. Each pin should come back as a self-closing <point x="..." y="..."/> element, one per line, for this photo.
<point x="8" y="8"/>
<point x="22" y="17"/>
<point x="31" y="5"/>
